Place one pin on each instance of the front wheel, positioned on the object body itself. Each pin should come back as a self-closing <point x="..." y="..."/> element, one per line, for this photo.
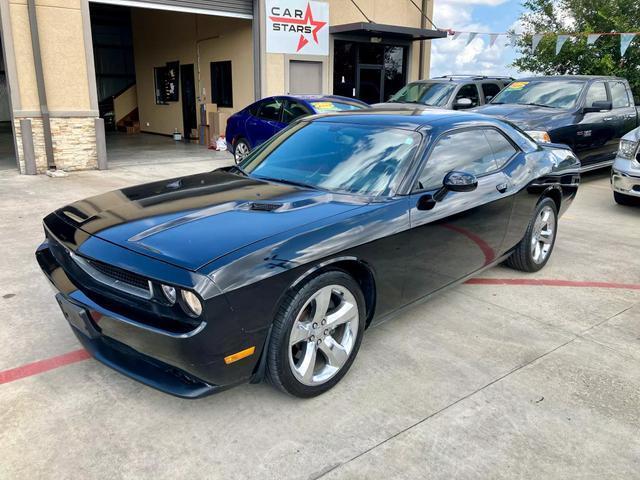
<point x="534" y="250"/>
<point x="241" y="150"/>
<point x="316" y="335"/>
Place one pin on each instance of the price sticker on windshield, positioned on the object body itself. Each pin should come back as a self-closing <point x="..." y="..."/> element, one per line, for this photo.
<point x="517" y="85"/>
<point x="324" y="106"/>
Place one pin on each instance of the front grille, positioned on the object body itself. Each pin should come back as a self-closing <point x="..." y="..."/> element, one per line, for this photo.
<point x="115" y="277"/>
<point x="120" y="275"/>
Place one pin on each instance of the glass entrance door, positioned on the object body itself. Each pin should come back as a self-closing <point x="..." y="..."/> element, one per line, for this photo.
<point x="370" y="86"/>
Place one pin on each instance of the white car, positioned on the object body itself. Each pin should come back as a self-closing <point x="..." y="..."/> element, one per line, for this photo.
<point x="625" y="174"/>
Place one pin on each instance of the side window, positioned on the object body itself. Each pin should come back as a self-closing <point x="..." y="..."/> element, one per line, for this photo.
<point x="490" y="90"/>
<point x="468" y="151"/>
<point x="270" y="110"/>
<point x="292" y="110"/>
<point x="619" y="97"/>
<point x="597" y="93"/>
<point x="253" y="109"/>
<point x="503" y="150"/>
<point x="469" y="91"/>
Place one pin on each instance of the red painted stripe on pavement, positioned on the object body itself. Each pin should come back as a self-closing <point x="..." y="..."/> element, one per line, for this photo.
<point x="40" y="366"/>
<point x="551" y="283"/>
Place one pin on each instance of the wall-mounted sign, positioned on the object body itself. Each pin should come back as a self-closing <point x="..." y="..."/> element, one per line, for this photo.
<point x="298" y="27"/>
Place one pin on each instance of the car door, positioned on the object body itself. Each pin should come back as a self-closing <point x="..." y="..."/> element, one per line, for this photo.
<point x="595" y="131"/>
<point x="465" y="230"/>
<point x="266" y="122"/>
<point x="623" y="112"/>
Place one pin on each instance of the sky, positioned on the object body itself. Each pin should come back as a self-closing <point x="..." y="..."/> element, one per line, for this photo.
<point x="455" y="56"/>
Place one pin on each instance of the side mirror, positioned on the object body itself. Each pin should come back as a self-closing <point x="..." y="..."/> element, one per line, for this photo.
<point x="487" y="98"/>
<point x="598" y="106"/>
<point x="462" y="103"/>
<point x="460" y="182"/>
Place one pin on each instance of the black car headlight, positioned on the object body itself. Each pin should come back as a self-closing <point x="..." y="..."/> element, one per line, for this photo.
<point x="191" y="303"/>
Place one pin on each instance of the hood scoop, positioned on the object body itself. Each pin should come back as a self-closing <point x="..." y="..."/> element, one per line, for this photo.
<point x="264" y="206"/>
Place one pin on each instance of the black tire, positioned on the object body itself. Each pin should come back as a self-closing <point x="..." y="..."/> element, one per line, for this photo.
<point x="239" y="147"/>
<point x="279" y="371"/>
<point x="522" y="257"/>
<point x="627" y="200"/>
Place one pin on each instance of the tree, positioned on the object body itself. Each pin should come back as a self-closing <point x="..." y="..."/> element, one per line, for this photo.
<point x="576" y="57"/>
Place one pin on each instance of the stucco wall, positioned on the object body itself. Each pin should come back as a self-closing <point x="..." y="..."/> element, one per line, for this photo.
<point x="160" y="37"/>
<point x="390" y="12"/>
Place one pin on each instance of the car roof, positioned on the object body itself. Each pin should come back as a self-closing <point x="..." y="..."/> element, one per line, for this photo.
<point x="418" y="118"/>
<point x="464" y="79"/>
<point x="551" y="78"/>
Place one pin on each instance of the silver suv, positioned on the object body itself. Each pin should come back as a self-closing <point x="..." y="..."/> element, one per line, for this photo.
<point x="454" y="92"/>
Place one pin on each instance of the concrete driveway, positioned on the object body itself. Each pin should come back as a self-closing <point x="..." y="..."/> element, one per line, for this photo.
<point x="508" y="376"/>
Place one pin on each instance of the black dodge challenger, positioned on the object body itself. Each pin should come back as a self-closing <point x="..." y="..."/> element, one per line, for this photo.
<point x="274" y="268"/>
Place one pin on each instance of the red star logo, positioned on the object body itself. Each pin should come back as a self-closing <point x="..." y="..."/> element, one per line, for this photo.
<point x="307" y="20"/>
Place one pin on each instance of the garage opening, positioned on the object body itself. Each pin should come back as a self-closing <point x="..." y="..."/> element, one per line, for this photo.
<point x="8" y="160"/>
<point x="168" y="77"/>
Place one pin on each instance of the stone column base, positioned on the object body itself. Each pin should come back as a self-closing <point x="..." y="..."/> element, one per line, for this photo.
<point x="74" y="143"/>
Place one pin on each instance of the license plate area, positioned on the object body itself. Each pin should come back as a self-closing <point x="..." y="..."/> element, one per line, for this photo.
<point x="77" y="317"/>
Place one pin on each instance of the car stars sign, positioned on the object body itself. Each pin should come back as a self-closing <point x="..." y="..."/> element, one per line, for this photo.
<point x="297" y="27"/>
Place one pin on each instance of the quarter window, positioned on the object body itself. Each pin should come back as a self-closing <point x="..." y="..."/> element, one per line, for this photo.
<point x="468" y="151"/>
<point x="597" y="93"/>
<point x="270" y="110"/>
<point x="619" y="97"/>
<point x="503" y="150"/>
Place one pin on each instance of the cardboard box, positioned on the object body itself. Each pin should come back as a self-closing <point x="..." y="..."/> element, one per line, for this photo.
<point x="210" y="108"/>
<point x="218" y="123"/>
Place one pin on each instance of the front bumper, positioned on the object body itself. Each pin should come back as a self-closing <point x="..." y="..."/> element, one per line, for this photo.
<point x="625" y="183"/>
<point x="188" y="365"/>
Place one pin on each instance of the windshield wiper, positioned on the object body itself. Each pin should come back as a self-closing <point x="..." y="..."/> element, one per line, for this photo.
<point x="287" y="181"/>
<point x="537" y="105"/>
<point x="238" y="169"/>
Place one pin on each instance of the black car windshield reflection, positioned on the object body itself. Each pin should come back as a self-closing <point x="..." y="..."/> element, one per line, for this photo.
<point x="354" y="159"/>
<point x="541" y="93"/>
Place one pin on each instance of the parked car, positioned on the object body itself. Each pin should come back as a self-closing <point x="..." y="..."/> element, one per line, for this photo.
<point x="454" y="92"/>
<point x="588" y="113"/>
<point x="625" y="174"/>
<point x="258" y="122"/>
<point x="275" y="267"/>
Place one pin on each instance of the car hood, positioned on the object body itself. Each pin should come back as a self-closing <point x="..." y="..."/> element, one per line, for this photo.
<point x="527" y="117"/>
<point x="191" y="221"/>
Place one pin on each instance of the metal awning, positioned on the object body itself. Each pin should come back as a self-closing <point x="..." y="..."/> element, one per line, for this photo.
<point x="370" y="29"/>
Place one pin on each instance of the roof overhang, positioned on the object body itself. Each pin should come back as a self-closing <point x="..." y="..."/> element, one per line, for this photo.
<point x="370" y="29"/>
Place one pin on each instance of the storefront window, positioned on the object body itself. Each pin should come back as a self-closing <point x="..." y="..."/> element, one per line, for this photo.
<point x="344" y="73"/>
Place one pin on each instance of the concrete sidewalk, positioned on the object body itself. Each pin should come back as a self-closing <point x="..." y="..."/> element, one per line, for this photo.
<point x="484" y="381"/>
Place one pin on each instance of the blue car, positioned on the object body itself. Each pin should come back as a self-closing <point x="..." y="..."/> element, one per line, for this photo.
<point x="258" y="122"/>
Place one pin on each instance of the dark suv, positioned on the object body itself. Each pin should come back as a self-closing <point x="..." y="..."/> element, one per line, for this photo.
<point x="455" y="92"/>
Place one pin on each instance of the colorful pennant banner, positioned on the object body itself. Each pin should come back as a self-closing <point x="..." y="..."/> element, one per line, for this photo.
<point x="625" y="38"/>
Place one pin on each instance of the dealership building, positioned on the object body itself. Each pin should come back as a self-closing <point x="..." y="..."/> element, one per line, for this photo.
<point x="77" y="75"/>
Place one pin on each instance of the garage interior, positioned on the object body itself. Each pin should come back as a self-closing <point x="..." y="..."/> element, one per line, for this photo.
<point x="7" y="152"/>
<point x="156" y="70"/>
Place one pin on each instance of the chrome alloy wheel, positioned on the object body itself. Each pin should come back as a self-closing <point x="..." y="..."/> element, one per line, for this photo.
<point x="241" y="151"/>
<point x="323" y="335"/>
<point x="543" y="234"/>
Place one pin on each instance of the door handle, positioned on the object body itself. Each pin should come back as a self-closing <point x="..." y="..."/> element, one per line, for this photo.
<point x="502" y="187"/>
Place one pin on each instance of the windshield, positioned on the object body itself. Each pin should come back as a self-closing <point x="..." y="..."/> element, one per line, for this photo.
<point x="561" y="94"/>
<point x="432" y="94"/>
<point x="332" y="106"/>
<point x="340" y="157"/>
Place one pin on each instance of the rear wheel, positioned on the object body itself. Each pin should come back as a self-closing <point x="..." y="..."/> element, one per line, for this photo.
<point x="241" y="150"/>
<point x="622" y="199"/>
<point x="534" y="250"/>
<point x="316" y="335"/>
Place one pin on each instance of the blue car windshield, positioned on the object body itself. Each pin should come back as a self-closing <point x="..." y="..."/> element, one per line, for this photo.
<point x="339" y="157"/>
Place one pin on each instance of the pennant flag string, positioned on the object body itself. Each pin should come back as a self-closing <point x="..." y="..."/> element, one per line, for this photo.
<point x="561" y="38"/>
